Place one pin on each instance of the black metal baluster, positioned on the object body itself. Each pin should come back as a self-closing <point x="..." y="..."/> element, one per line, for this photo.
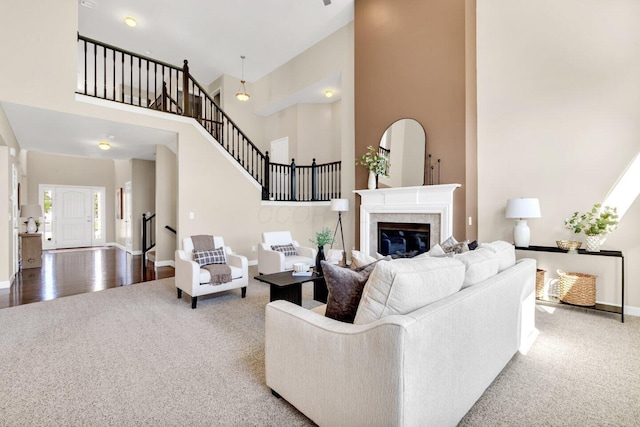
<point x="95" y="70"/>
<point x="85" y="66"/>
<point x="114" y="75"/>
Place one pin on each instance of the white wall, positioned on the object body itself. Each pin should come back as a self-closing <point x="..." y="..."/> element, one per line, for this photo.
<point x="7" y="143"/>
<point x="558" y="108"/>
<point x="166" y="199"/>
<point x="143" y="196"/>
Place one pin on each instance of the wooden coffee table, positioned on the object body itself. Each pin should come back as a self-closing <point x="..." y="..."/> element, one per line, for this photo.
<point x="286" y="286"/>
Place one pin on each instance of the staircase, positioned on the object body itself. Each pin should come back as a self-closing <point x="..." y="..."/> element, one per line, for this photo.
<point x="117" y="75"/>
<point x="149" y="238"/>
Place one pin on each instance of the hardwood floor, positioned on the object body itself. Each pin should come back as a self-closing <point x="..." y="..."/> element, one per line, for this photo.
<point x="76" y="271"/>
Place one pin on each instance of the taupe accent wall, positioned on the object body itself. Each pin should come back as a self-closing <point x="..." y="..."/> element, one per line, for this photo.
<point x="411" y="61"/>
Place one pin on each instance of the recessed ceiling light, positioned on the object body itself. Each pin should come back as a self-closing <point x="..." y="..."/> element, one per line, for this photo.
<point x="328" y="93"/>
<point x="104" y="146"/>
<point x="130" y="21"/>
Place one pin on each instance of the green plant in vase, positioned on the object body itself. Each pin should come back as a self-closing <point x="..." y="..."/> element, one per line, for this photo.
<point x="323" y="238"/>
<point x="595" y="224"/>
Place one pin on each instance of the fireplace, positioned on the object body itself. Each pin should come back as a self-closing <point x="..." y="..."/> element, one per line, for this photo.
<point x="427" y="204"/>
<point x="403" y="239"/>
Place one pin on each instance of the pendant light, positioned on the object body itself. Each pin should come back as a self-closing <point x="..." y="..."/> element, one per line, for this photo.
<point x="242" y="94"/>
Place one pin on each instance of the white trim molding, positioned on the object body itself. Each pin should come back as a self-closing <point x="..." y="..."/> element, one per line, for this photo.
<point x="433" y="200"/>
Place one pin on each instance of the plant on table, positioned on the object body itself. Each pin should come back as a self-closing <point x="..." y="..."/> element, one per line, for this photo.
<point x="322" y="238"/>
<point x="599" y="220"/>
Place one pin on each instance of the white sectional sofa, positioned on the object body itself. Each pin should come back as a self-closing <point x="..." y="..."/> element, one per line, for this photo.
<point x="426" y="367"/>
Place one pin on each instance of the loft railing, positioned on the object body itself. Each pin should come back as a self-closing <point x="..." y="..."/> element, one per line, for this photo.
<point x="294" y="182"/>
<point x="115" y="74"/>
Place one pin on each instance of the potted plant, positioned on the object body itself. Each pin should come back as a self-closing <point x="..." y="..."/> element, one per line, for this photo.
<point x="595" y="224"/>
<point x="376" y="163"/>
<point x="323" y="237"/>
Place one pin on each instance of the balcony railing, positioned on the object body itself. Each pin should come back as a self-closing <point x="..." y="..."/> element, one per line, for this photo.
<point x="114" y="74"/>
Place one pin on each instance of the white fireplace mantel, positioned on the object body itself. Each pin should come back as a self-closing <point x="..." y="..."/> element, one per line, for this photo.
<point x="426" y="199"/>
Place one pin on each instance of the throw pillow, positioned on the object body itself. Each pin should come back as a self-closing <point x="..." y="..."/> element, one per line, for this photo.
<point x="287" y="250"/>
<point x="437" y="251"/>
<point x="506" y="253"/>
<point x="216" y="256"/>
<point x="406" y="284"/>
<point x="448" y="244"/>
<point x="360" y="259"/>
<point x="479" y="265"/>
<point x="345" y="289"/>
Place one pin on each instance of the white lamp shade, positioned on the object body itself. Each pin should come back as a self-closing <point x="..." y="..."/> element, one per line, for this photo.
<point x="523" y="208"/>
<point x="30" y="211"/>
<point x="340" y="205"/>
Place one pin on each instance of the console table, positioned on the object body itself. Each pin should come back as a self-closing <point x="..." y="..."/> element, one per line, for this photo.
<point x="616" y="254"/>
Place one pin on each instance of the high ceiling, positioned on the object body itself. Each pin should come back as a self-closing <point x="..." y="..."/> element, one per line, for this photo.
<point x="210" y="34"/>
<point x="213" y="34"/>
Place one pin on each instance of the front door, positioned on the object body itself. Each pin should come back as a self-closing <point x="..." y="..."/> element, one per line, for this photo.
<point x="74" y="217"/>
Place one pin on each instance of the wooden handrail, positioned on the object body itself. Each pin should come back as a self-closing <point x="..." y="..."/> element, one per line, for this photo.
<point x="164" y="84"/>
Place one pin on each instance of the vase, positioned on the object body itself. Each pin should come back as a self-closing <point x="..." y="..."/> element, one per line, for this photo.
<point x="371" y="184"/>
<point x="593" y="242"/>
<point x="319" y="257"/>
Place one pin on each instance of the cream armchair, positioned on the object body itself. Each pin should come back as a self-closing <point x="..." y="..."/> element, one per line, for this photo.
<point x="271" y="261"/>
<point x="194" y="280"/>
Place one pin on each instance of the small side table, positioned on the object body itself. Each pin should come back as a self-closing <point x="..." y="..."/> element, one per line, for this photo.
<point x="31" y="250"/>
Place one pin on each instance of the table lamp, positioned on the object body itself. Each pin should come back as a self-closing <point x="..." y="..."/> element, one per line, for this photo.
<point x="31" y="211"/>
<point x="522" y="209"/>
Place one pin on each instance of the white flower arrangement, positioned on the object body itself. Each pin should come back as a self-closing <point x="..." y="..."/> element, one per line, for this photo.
<point x="374" y="162"/>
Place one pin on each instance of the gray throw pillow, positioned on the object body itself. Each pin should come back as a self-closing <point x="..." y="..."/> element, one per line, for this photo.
<point x="287" y="250"/>
<point x="216" y="256"/>
<point x="345" y="289"/>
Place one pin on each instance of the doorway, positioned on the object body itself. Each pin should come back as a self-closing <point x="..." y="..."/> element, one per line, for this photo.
<point x="74" y="217"/>
<point x="280" y="151"/>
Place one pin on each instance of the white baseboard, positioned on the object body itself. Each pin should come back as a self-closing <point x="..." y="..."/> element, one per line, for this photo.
<point x="5" y="284"/>
<point x="119" y="246"/>
<point x="631" y="311"/>
<point x="166" y="263"/>
<point x="253" y="262"/>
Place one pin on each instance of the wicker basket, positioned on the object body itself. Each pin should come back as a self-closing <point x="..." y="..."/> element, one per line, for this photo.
<point x="577" y="288"/>
<point x="540" y="283"/>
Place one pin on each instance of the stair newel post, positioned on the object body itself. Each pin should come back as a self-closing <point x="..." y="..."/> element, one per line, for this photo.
<point x="185" y="89"/>
<point x="144" y="240"/>
<point x="265" y="179"/>
<point x="314" y="180"/>
<point x="293" y="195"/>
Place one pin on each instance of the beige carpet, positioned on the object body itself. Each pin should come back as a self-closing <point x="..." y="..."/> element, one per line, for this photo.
<point x="136" y="355"/>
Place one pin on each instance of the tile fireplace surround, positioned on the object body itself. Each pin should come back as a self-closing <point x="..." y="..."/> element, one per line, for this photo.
<point x="432" y="204"/>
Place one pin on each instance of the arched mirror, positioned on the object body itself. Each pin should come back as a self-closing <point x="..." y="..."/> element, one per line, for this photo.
<point x="405" y="143"/>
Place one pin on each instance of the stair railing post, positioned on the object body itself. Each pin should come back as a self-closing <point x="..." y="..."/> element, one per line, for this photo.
<point x="265" y="180"/>
<point x="314" y="180"/>
<point x="164" y="96"/>
<point x="293" y="192"/>
<point x="185" y="89"/>
<point x="144" y="241"/>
